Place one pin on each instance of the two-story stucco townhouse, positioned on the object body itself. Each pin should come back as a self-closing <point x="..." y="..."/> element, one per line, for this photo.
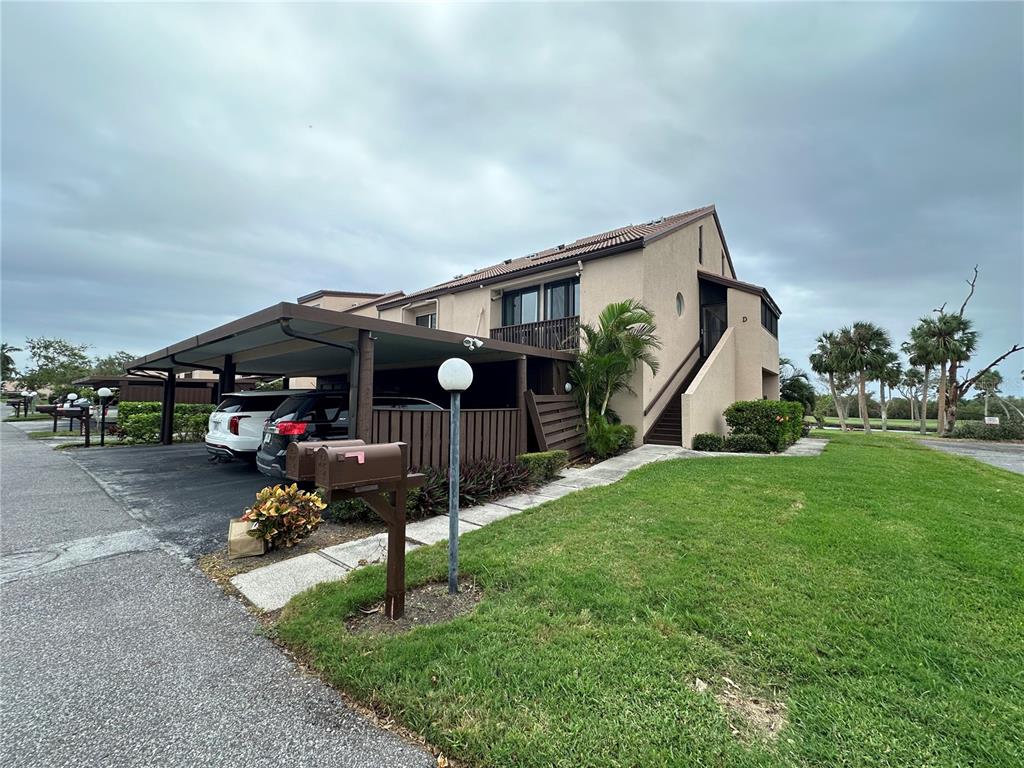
<point x="719" y="335"/>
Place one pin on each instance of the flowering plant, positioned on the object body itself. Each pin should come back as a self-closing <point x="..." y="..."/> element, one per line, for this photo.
<point x="283" y="514"/>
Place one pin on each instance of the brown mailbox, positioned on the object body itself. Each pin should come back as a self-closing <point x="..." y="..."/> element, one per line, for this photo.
<point x="357" y="466"/>
<point x="300" y="460"/>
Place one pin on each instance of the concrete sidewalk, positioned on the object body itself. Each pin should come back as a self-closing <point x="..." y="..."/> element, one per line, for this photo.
<point x="271" y="587"/>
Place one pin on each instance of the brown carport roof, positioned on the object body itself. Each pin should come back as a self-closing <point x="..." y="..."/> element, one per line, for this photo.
<point x="260" y="344"/>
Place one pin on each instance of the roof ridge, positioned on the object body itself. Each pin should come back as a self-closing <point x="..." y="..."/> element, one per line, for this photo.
<point x="567" y="251"/>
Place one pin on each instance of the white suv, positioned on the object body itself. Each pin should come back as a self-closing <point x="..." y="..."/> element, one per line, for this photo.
<point x="236" y="427"/>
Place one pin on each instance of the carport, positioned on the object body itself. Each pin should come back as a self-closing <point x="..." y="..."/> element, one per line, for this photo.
<point x="368" y="357"/>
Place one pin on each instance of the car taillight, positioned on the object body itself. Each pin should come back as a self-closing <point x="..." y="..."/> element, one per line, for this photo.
<point x="233" y="424"/>
<point x="291" y="427"/>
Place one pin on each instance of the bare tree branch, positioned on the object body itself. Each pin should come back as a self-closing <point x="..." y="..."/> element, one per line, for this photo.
<point x="971" y="282"/>
<point x="966" y="384"/>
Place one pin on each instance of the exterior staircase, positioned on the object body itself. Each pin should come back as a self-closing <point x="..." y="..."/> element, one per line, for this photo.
<point x="668" y="429"/>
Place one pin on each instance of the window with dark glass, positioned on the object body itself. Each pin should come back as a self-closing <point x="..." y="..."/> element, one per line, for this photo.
<point x="700" y="245"/>
<point x="769" y="319"/>
<point x="518" y="307"/>
<point x="427" y="321"/>
<point x="562" y="299"/>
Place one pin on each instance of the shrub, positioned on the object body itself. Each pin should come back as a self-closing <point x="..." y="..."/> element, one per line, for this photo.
<point x="479" y="481"/>
<point x="347" y="511"/>
<point x="139" y="422"/>
<point x="742" y="443"/>
<point x="542" y="466"/>
<point x="140" y="427"/>
<point x="708" y="441"/>
<point x="979" y="430"/>
<point x="606" y="439"/>
<point x="779" y="423"/>
<point x="283" y="514"/>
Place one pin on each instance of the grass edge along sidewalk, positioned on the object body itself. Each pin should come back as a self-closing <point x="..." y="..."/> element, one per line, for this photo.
<point x="874" y="591"/>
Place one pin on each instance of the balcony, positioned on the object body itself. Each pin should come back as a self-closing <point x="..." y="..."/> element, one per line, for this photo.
<point x="563" y="334"/>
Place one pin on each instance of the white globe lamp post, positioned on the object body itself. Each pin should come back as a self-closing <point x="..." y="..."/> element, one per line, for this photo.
<point x="455" y="375"/>
<point x="104" y="394"/>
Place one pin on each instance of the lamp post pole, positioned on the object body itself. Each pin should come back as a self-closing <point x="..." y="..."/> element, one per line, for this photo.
<point x="454" y="375"/>
<point x="71" y="419"/>
<point x="453" y="494"/>
<point x="104" y="394"/>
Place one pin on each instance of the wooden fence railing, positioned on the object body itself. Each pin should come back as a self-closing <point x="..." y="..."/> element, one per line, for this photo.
<point x="491" y="433"/>
<point x="557" y="423"/>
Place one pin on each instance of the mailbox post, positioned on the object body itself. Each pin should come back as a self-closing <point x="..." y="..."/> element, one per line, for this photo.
<point x="377" y="474"/>
<point x="454" y="375"/>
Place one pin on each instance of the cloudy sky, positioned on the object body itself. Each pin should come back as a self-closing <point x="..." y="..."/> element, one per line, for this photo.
<point x="167" y="168"/>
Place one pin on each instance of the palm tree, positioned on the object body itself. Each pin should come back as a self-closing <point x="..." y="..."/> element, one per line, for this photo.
<point x="825" y="362"/>
<point x="8" y="369"/>
<point x="862" y="349"/>
<point x="954" y="339"/>
<point x="794" y="385"/>
<point x="888" y="376"/>
<point x="921" y="350"/>
<point x="912" y="380"/>
<point x="623" y="338"/>
<point x="989" y="383"/>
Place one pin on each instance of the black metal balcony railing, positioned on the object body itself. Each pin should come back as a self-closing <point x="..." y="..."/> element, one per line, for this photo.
<point x="563" y="333"/>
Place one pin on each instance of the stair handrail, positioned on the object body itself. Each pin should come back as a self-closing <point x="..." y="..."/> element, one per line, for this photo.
<point x="670" y="379"/>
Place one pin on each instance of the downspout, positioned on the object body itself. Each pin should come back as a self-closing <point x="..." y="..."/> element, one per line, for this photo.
<point x="353" y="366"/>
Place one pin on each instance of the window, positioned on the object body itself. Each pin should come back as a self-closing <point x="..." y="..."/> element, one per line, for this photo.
<point x="769" y="319"/>
<point x="680" y="304"/>
<point x="427" y="321"/>
<point x="518" y="307"/>
<point x="723" y="263"/>
<point x="562" y="299"/>
<point x="700" y="244"/>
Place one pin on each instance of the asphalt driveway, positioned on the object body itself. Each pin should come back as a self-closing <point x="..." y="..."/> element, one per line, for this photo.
<point x="1003" y="455"/>
<point x="117" y="653"/>
<point x="175" y="491"/>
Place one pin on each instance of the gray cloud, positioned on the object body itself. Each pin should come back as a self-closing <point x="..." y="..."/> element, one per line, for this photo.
<point x="180" y="165"/>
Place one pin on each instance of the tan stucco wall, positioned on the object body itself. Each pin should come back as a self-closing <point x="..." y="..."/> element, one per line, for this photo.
<point x="669" y="268"/>
<point x="756" y="349"/>
<point x="711" y="392"/>
<point x="613" y="279"/>
<point x="339" y="303"/>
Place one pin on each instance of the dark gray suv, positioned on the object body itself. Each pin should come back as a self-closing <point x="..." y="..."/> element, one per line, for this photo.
<point x="317" y="416"/>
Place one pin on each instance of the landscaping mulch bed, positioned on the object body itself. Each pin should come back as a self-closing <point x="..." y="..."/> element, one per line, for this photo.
<point x="424" y="605"/>
<point x="217" y="566"/>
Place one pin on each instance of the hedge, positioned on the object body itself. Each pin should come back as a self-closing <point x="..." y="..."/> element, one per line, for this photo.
<point x="543" y="465"/>
<point x="139" y="422"/>
<point x="979" y="430"/>
<point x="708" y="441"/>
<point x="742" y="443"/>
<point x="780" y="423"/>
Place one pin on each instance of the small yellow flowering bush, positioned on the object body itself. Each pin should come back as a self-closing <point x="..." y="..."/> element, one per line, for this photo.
<point x="283" y="514"/>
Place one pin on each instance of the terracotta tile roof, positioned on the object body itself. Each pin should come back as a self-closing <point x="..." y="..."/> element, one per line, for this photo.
<point x="636" y="235"/>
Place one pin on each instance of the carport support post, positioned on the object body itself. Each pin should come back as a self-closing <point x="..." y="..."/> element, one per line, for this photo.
<point x="167" y="410"/>
<point x="364" y="383"/>
<point x="227" y="376"/>
<point x="521" y="401"/>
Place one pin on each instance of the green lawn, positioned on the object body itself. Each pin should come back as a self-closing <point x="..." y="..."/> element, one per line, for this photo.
<point x="877" y="590"/>
<point x="31" y="417"/>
